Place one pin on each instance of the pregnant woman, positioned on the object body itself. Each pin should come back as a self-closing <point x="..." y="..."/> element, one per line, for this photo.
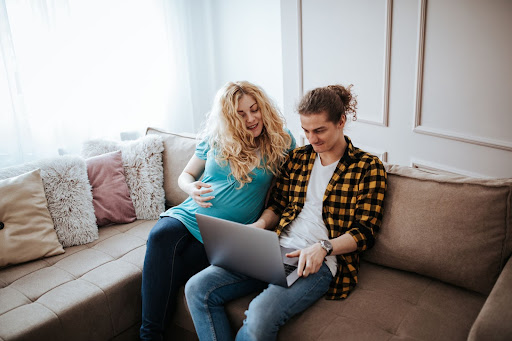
<point x="242" y="148"/>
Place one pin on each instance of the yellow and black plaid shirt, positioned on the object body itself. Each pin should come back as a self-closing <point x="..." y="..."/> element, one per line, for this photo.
<point x="352" y="203"/>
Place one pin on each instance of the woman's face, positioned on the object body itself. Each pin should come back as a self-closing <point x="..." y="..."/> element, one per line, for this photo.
<point x="251" y="115"/>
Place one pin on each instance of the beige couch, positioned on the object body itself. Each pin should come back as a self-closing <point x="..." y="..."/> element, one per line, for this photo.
<point x="440" y="270"/>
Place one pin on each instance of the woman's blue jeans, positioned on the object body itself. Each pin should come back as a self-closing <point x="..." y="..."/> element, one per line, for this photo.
<point x="210" y="289"/>
<point x="173" y="255"/>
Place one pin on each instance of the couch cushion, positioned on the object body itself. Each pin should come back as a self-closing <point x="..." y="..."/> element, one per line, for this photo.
<point x="32" y="321"/>
<point x="453" y="228"/>
<point x="120" y="281"/>
<point x="83" y="311"/>
<point x="178" y="149"/>
<point x="142" y="161"/>
<point x="69" y="196"/>
<point x="387" y="304"/>
<point x="91" y="292"/>
<point x="26" y="227"/>
<point x="495" y="319"/>
<point x="111" y="195"/>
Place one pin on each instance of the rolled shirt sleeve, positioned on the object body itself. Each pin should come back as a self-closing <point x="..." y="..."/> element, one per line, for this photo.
<point x="369" y="206"/>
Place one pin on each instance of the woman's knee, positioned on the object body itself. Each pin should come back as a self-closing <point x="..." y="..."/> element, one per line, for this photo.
<point x="164" y="232"/>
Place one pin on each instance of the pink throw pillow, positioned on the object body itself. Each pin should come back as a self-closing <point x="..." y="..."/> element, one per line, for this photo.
<point x="111" y="196"/>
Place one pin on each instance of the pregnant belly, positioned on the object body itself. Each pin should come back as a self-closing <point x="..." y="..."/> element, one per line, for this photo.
<point x="242" y="209"/>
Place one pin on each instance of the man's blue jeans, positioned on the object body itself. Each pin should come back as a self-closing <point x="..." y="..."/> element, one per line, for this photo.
<point x="210" y="289"/>
<point x="173" y="255"/>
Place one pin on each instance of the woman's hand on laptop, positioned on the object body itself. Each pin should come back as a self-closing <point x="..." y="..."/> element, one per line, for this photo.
<point x="267" y="220"/>
<point x="259" y="224"/>
<point x="310" y="259"/>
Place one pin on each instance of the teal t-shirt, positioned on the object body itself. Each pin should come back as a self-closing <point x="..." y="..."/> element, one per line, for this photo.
<point x="242" y="205"/>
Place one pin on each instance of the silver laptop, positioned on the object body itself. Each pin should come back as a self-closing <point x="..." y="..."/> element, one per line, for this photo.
<point x="248" y="250"/>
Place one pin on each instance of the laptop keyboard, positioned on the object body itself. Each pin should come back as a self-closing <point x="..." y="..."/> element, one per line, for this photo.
<point x="289" y="268"/>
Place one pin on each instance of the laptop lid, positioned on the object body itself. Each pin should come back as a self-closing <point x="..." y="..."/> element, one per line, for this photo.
<point x="248" y="250"/>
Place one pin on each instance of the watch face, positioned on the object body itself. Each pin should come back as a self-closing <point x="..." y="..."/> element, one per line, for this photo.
<point x="327" y="246"/>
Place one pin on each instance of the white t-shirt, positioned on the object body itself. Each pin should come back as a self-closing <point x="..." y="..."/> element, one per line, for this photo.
<point x="309" y="227"/>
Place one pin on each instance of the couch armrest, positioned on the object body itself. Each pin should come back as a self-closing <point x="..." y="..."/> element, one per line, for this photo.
<point x="494" y="322"/>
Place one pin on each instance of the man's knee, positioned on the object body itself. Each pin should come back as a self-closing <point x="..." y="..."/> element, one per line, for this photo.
<point x="204" y="286"/>
<point x="193" y="288"/>
<point x="259" y="325"/>
<point x="198" y="287"/>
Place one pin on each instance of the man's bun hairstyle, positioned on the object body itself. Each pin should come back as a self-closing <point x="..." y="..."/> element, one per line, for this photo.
<point x="336" y="100"/>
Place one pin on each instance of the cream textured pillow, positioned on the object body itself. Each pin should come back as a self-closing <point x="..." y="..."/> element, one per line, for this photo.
<point x="69" y="196"/>
<point x="26" y="227"/>
<point x="142" y="161"/>
<point x="178" y="149"/>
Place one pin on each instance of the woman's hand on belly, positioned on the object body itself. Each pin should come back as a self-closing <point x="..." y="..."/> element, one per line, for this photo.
<point x="196" y="189"/>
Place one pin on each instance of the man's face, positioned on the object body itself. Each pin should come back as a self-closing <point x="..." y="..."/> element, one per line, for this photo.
<point x="320" y="132"/>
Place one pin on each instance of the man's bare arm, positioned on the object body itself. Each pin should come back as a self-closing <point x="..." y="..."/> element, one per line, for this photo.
<point x="268" y="220"/>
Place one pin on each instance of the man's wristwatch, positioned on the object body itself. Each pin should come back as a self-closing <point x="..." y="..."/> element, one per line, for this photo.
<point x="327" y="246"/>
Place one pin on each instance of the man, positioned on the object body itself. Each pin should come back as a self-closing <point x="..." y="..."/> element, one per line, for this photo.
<point x="327" y="204"/>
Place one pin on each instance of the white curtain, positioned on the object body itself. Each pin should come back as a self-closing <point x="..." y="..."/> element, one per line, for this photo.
<point x="71" y="70"/>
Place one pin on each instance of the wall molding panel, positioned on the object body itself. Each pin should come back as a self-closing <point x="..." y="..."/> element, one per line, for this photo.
<point x="481" y="141"/>
<point x="433" y="77"/>
<point x="387" y="66"/>
<point x="436" y="132"/>
<point x="382" y="155"/>
<point x="438" y="168"/>
<point x="301" y="48"/>
<point x="384" y="119"/>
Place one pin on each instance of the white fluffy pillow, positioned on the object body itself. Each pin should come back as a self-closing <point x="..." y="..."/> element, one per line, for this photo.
<point x="142" y="161"/>
<point x="69" y="196"/>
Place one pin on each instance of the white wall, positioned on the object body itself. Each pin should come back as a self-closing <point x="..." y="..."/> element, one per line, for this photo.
<point x="433" y="79"/>
<point x="247" y="44"/>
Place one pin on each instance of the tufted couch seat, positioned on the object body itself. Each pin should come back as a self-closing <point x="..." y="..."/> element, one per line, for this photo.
<point x="91" y="292"/>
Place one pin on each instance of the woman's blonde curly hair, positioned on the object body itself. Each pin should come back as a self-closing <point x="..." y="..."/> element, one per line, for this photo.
<point x="225" y="131"/>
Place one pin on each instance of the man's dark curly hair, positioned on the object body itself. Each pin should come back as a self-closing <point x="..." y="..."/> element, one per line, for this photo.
<point x="336" y="100"/>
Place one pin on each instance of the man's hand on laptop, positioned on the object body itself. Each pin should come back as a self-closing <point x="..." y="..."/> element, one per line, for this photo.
<point x="310" y="259"/>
